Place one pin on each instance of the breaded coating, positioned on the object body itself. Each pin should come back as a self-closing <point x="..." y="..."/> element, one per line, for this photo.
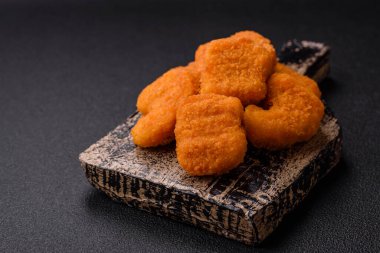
<point x="196" y="67"/>
<point x="258" y="39"/>
<point x="166" y="90"/>
<point x="299" y="79"/>
<point x="158" y="104"/>
<point x="155" y="128"/>
<point x="200" y="56"/>
<point x="237" y="66"/>
<point x="209" y="135"/>
<point x="294" y="115"/>
<point x="194" y="70"/>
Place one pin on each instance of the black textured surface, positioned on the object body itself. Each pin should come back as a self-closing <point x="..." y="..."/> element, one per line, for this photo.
<point x="70" y="72"/>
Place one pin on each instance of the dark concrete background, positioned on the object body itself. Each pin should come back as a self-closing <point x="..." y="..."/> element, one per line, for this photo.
<point x="71" y="71"/>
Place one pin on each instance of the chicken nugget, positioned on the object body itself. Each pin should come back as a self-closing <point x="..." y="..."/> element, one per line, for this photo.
<point x="158" y="104"/>
<point x="200" y="56"/>
<point x="195" y="72"/>
<point x="269" y="59"/>
<point x="286" y="83"/>
<point x="238" y="66"/>
<point x="155" y="128"/>
<point x="209" y="135"/>
<point x="167" y="89"/>
<point x="294" y="115"/>
<point x="196" y="67"/>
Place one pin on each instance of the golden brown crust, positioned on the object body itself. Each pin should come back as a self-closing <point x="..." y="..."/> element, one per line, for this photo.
<point x="158" y="103"/>
<point x="155" y="128"/>
<point x="195" y="72"/>
<point x="294" y="115"/>
<point x="301" y="80"/>
<point x="209" y="135"/>
<point x="200" y="56"/>
<point x="237" y="66"/>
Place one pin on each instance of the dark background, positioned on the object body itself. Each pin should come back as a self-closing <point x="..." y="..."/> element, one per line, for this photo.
<point x="70" y="72"/>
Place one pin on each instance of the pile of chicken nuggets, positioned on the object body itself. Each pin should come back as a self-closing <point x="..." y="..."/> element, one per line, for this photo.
<point x="234" y="90"/>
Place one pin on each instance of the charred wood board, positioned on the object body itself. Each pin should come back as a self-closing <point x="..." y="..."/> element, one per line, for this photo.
<point x="246" y="204"/>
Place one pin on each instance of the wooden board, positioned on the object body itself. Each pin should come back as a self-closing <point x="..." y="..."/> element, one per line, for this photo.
<point x="246" y="204"/>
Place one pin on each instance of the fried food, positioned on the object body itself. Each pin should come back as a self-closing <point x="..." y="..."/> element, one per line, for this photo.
<point x="237" y="66"/>
<point x="294" y="115"/>
<point x="302" y="81"/>
<point x="158" y="104"/>
<point x="269" y="58"/>
<point x="229" y="73"/>
<point x="196" y="67"/>
<point x="209" y="135"/>
<point x="195" y="72"/>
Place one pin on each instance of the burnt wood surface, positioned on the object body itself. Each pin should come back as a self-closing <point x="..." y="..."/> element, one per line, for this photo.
<point x="246" y="204"/>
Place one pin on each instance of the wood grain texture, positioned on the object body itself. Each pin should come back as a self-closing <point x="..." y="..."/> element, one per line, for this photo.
<point x="246" y="204"/>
